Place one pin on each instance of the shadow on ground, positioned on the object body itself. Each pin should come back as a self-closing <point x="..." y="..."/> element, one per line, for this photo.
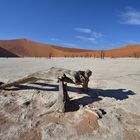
<point x="94" y="95"/>
<point x="91" y="94"/>
<point x="39" y="86"/>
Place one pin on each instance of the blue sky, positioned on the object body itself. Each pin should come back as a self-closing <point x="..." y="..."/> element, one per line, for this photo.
<point x="87" y="24"/>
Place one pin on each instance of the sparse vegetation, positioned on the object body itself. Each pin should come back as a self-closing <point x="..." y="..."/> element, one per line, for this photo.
<point x="50" y="55"/>
<point x="136" y="55"/>
<point x="102" y="54"/>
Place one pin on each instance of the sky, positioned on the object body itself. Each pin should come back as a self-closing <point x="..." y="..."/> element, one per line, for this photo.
<point x="86" y="24"/>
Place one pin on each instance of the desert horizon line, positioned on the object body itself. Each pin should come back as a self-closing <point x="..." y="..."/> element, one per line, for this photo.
<point x="70" y="47"/>
<point x="29" y="48"/>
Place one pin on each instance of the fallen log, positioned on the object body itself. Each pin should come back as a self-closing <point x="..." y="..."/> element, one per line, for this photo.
<point x="74" y="77"/>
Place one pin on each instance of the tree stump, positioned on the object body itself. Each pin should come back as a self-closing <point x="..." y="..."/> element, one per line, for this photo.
<point x="63" y="99"/>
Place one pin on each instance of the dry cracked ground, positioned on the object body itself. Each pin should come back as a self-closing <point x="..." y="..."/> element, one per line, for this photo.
<point x="108" y="110"/>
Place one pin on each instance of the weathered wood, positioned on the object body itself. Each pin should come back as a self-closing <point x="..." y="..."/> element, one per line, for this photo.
<point x="19" y="81"/>
<point x="82" y="77"/>
<point x="74" y="77"/>
<point x="63" y="76"/>
<point x="63" y="98"/>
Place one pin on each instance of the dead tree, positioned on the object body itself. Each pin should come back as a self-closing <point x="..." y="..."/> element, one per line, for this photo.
<point x="63" y="76"/>
<point x="63" y="97"/>
<point x="136" y="55"/>
<point x="50" y="55"/>
<point x="102" y="54"/>
<point x="74" y="77"/>
<point x="60" y="105"/>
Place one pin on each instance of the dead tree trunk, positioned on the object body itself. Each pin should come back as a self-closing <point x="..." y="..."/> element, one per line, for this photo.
<point x="20" y="81"/>
<point x="85" y="85"/>
<point x="74" y="77"/>
<point x="102" y="55"/>
<point x="63" y="98"/>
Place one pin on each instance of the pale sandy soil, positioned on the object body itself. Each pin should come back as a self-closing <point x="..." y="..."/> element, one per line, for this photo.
<point x="114" y="88"/>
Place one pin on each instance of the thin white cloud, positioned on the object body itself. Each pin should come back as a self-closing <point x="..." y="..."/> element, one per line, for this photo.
<point x="89" y="34"/>
<point x="91" y="39"/>
<point x="69" y="45"/>
<point x="97" y="34"/>
<point x="83" y="30"/>
<point x="130" y="16"/>
<point x="54" y="39"/>
<point x="62" y="42"/>
<point x="88" y="31"/>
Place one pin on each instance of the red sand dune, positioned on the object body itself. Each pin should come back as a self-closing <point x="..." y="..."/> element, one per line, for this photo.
<point x="28" y="48"/>
<point x="4" y="52"/>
